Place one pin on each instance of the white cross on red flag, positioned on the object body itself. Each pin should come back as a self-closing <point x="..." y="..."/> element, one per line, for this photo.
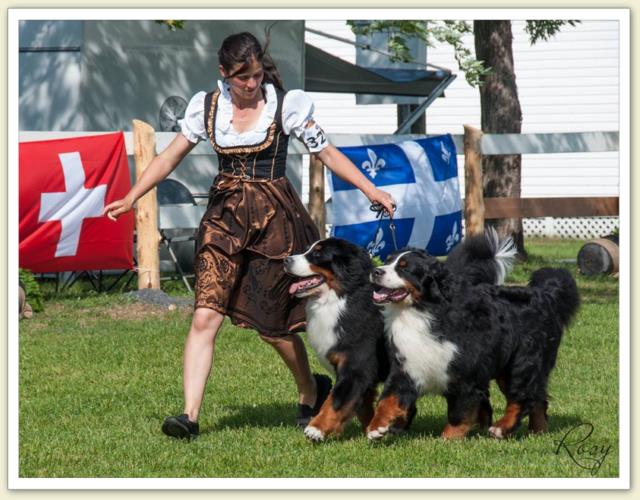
<point x="64" y="185"/>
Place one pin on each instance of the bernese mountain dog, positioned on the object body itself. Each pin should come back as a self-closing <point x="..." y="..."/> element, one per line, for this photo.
<point x="346" y="328"/>
<point x="451" y="332"/>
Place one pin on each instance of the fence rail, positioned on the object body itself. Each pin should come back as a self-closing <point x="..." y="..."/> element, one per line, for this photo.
<point x="491" y="144"/>
<point x="474" y="143"/>
<point x="477" y="208"/>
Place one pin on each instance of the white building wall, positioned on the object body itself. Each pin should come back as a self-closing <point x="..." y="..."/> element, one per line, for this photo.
<point x="567" y="84"/>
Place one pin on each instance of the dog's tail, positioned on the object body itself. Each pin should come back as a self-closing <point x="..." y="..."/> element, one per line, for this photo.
<point x="483" y="258"/>
<point x="560" y="287"/>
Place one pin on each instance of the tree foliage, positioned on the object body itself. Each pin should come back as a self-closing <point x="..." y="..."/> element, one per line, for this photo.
<point x="429" y="32"/>
<point x="450" y="32"/>
<point x="172" y="24"/>
<point x="544" y="29"/>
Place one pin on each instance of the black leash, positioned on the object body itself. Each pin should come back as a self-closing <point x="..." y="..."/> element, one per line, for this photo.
<point x="381" y="214"/>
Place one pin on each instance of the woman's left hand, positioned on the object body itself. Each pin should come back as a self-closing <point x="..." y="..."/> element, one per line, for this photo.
<point x="385" y="199"/>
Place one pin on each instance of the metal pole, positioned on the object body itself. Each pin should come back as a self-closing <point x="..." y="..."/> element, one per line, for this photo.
<point x="406" y="126"/>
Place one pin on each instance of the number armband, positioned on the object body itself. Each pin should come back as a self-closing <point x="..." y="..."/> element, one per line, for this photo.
<point x="314" y="138"/>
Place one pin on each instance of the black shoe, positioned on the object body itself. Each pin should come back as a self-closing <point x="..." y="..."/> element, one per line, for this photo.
<point x="181" y="427"/>
<point x="306" y="412"/>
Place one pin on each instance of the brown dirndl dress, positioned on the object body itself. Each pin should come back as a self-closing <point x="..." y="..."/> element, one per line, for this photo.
<point x="253" y="221"/>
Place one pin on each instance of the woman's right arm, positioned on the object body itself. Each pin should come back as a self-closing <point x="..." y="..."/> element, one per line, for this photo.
<point x="159" y="168"/>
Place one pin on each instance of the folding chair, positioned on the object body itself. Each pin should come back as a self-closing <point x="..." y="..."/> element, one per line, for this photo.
<point x="169" y="192"/>
<point x="172" y="192"/>
<point x="179" y="217"/>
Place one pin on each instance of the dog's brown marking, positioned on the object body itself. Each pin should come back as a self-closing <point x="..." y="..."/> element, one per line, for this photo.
<point x="417" y="296"/>
<point x="538" y="419"/>
<point x="456" y="431"/>
<point x="331" y="421"/>
<point x="402" y="263"/>
<point x="329" y="277"/>
<point x="477" y="416"/>
<point x="337" y="359"/>
<point x="365" y="411"/>
<point x="480" y="416"/>
<point x="511" y="418"/>
<point x="388" y="412"/>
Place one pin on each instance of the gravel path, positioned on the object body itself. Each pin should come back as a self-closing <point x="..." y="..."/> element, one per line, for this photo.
<point x="159" y="298"/>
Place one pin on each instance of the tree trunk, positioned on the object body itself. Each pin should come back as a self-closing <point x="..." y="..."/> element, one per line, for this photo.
<point x="500" y="114"/>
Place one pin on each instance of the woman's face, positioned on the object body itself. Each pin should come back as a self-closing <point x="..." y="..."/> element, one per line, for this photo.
<point x="245" y="84"/>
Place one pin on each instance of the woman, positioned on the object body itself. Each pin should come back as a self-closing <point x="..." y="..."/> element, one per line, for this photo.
<point x="253" y="221"/>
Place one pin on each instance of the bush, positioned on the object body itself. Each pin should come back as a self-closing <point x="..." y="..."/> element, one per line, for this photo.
<point x="32" y="290"/>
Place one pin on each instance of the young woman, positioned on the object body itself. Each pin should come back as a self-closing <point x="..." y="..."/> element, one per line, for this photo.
<point x="253" y="221"/>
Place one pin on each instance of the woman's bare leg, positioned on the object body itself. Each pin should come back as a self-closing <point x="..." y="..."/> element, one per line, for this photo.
<point x="292" y="351"/>
<point x="198" y="358"/>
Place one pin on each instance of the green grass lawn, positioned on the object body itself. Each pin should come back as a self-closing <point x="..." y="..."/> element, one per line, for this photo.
<point x="99" y="372"/>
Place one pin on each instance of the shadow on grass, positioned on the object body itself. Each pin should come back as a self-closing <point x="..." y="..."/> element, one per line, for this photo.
<point x="596" y="293"/>
<point x="560" y="424"/>
<point x="563" y="423"/>
<point x="275" y="415"/>
<point x="431" y="428"/>
<point x="264" y="415"/>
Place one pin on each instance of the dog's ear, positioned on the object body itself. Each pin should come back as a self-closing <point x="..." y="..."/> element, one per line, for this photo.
<point x="435" y="286"/>
<point x="352" y="265"/>
<point x="423" y="253"/>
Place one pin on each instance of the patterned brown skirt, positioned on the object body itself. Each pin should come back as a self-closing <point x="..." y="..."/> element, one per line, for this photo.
<point x="245" y="234"/>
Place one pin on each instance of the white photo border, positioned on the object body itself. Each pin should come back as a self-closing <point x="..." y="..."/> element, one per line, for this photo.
<point x="622" y="15"/>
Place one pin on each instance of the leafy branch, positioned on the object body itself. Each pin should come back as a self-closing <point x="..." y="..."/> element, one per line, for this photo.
<point x="544" y="29"/>
<point x="449" y="32"/>
<point x="172" y="24"/>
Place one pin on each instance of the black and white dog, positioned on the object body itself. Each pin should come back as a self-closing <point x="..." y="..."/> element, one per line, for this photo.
<point x="346" y="328"/>
<point x="451" y="332"/>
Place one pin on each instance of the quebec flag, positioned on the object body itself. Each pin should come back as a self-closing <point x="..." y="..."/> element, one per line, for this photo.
<point x="422" y="177"/>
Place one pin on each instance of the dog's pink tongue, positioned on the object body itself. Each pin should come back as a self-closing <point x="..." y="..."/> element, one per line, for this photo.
<point x="378" y="296"/>
<point x="298" y="285"/>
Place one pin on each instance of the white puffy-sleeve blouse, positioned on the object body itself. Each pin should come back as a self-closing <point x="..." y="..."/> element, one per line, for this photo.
<point x="297" y="113"/>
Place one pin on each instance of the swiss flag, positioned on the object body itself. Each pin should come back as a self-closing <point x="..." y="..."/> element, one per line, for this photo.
<point x="64" y="185"/>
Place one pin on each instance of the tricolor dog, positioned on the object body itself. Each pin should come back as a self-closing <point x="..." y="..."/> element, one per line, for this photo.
<point x="345" y="329"/>
<point x="451" y="331"/>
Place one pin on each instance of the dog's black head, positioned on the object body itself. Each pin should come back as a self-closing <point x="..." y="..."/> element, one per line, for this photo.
<point x="331" y="264"/>
<point x="409" y="276"/>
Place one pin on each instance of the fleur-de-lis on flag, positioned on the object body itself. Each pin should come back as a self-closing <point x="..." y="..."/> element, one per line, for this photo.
<point x="453" y="238"/>
<point x="446" y="154"/>
<point x="374" y="247"/>
<point x="373" y="164"/>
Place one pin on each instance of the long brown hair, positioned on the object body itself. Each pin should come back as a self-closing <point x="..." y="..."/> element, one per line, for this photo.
<point x="240" y="48"/>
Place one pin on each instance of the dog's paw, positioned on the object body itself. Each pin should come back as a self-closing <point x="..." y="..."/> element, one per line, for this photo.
<point x="496" y="432"/>
<point x="313" y="433"/>
<point x="377" y="434"/>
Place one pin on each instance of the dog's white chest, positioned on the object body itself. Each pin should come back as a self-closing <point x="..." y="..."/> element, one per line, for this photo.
<point x="322" y="324"/>
<point x="424" y="358"/>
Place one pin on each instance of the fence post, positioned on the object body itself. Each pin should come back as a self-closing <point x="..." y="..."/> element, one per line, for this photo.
<point x="316" y="193"/>
<point x="473" y="198"/>
<point x="144" y="144"/>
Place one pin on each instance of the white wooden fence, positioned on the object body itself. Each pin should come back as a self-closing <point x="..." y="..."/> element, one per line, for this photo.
<point x="582" y="142"/>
